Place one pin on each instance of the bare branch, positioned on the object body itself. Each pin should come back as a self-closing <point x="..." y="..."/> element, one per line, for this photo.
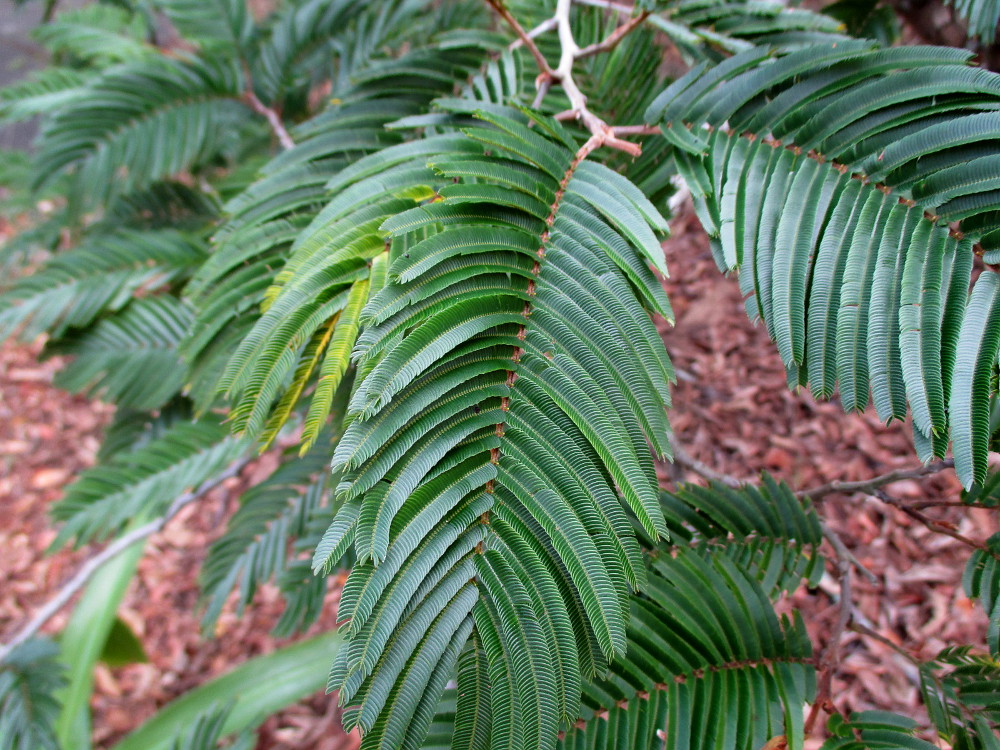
<point x="932" y="524"/>
<point x="607" y="5"/>
<point x="868" y="485"/>
<point x="604" y="134"/>
<point x="637" y="129"/>
<point x="614" y="37"/>
<point x="524" y="37"/>
<point x="272" y="117"/>
<point x="829" y="658"/>
<point x="845" y="554"/>
<point x="543" y="28"/>
<point x="863" y="629"/>
<point x="685" y="459"/>
<point x="122" y="543"/>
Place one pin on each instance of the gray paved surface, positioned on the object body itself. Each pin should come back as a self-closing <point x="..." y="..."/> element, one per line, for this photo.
<point x="18" y="55"/>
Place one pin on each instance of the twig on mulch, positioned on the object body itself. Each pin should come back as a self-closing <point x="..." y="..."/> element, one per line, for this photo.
<point x="91" y="566"/>
<point x="868" y="485"/>
<point x="932" y="524"/>
<point x="829" y="657"/>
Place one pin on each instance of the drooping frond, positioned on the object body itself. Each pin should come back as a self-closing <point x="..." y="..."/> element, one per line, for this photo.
<point x="163" y="205"/>
<point x="255" y="546"/>
<point x="144" y="482"/>
<point x="206" y="731"/>
<point x="142" y="122"/>
<point x="130" y="429"/>
<point x="767" y="531"/>
<point x="981" y="581"/>
<point x="274" y="222"/>
<point x="703" y="634"/>
<point x="831" y="189"/>
<point x="99" y="275"/>
<point x="130" y="358"/>
<point x="318" y="40"/>
<point x="982" y="17"/>
<point x="222" y="26"/>
<point x="705" y="29"/>
<point x="867" y="729"/>
<point x="962" y="693"/>
<point x="95" y="34"/>
<point x="987" y="493"/>
<point x="42" y="92"/>
<point x="501" y="410"/>
<point x="30" y="675"/>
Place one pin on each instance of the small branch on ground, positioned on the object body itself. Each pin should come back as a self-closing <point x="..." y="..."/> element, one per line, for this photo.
<point x="117" y="547"/>
<point x="868" y="485"/>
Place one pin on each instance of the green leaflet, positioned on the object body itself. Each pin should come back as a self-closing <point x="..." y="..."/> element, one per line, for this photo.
<point x="498" y="437"/>
<point x="852" y="270"/>
<point x="148" y="479"/>
<point x="978" y="345"/>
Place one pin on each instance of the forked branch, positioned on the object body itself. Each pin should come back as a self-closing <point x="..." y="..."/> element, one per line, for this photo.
<point x="601" y="133"/>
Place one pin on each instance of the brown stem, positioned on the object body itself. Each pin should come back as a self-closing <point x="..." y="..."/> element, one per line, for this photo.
<point x="523" y="36"/>
<point x="930" y="523"/>
<point x="829" y="657"/>
<point x="859" y="627"/>
<point x="272" y="117"/>
<point x="614" y="37"/>
<point x="867" y="485"/>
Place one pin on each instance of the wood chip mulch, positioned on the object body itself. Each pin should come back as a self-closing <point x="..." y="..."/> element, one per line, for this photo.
<point x="732" y="411"/>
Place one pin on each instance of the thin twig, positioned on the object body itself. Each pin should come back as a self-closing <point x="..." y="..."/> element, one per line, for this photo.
<point x="543" y="88"/>
<point x="829" y="658"/>
<point x="867" y="485"/>
<point x="845" y="554"/>
<point x="930" y="523"/>
<point x="607" y="5"/>
<point x="525" y="38"/>
<point x="682" y="457"/>
<point x="601" y="133"/>
<point x="272" y="117"/>
<point x="544" y="27"/>
<point x="614" y="37"/>
<point x="637" y="129"/>
<point x="861" y="628"/>
<point x="950" y="504"/>
<point x="122" y="543"/>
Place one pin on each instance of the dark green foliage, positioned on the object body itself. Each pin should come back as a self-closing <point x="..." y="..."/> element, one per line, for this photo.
<point x="874" y="729"/>
<point x="857" y="287"/>
<point x="962" y="693"/>
<point x="29" y="675"/>
<point x="143" y="482"/>
<point x="352" y="230"/>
